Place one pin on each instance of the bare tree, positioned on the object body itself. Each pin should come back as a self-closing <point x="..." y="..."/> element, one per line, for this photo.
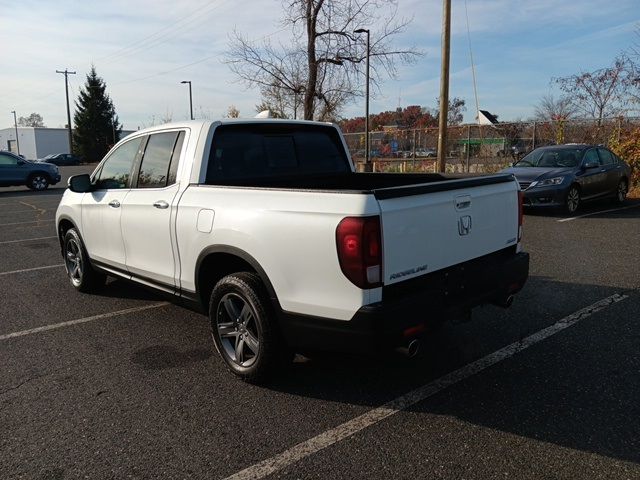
<point x="323" y="65"/>
<point x="550" y="108"/>
<point x="233" y="112"/>
<point x="455" y="112"/>
<point x="601" y="93"/>
<point x="33" y="120"/>
<point x="634" y="70"/>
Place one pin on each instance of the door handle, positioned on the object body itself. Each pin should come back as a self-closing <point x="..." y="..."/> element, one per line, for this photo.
<point x="114" y="204"/>
<point x="161" y="204"/>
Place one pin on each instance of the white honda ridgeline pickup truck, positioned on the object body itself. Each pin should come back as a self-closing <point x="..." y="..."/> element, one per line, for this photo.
<point x="265" y="225"/>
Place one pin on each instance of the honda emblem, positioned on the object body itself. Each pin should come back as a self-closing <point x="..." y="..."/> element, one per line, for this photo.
<point x="464" y="225"/>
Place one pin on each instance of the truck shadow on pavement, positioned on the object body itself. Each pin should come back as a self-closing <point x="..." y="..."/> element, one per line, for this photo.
<point x="577" y="389"/>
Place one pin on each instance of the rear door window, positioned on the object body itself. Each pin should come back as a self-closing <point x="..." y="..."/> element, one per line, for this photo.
<point x="605" y="156"/>
<point x="253" y="151"/>
<point x="154" y="169"/>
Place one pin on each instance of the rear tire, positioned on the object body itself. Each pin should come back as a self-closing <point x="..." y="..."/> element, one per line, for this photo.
<point x="621" y="192"/>
<point x="244" y="330"/>
<point x="572" y="201"/>
<point x="38" y="182"/>
<point x="76" y="261"/>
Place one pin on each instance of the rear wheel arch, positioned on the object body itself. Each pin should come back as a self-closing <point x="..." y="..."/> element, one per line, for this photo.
<point x="216" y="262"/>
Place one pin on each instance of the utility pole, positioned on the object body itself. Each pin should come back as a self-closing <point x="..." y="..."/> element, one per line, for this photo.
<point x="15" y="123"/>
<point x="66" y="89"/>
<point x="367" y="165"/>
<point x="444" y="86"/>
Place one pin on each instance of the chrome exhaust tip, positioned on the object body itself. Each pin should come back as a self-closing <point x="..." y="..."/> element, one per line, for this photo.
<point x="411" y="349"/>
<point x="504" y="302"/>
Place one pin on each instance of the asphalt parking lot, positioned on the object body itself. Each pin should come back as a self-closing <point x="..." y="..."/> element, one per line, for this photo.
<point x="130" y="386"/>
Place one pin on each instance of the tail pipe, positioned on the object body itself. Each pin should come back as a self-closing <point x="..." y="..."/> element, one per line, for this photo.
<point x="411" y="349"/>
<point x="504" y="302"/>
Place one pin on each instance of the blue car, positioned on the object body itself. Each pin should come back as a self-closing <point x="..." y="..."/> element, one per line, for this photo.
<point x="15" y="170"/>
<point x="567" y="175"/>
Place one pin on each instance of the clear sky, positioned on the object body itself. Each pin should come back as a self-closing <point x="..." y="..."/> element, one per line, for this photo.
<point x="144" y="49"/>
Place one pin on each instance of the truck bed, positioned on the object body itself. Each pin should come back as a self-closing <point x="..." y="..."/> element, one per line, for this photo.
<point x="382" y="185"/>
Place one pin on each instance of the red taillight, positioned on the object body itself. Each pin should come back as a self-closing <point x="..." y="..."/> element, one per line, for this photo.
<point x="359" y="246"/>
<point x="520" y="213"/>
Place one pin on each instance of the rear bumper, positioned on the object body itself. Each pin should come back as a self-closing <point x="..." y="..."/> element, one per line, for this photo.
<point x="409" y="308"/>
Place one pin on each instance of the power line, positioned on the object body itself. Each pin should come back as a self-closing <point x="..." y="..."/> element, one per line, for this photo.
<point x="164" y="34"/>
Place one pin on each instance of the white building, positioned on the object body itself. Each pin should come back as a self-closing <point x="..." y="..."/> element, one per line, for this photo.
<point x="38" y="142"/>
<point x="35" y="142"/>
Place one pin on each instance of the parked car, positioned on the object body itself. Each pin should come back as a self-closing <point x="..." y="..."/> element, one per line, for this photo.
<point x="516" y="151"/>
<point x="60" y="159"/>
<point x="15" y="171"/>
<point x="567" y="175"/>
<point x="266" y="226"/>
<point x="420" y="152"/>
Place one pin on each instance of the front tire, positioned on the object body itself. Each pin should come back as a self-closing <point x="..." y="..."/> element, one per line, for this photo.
<point x="572" y="202"/>
<point x="243" y="328"/>
<point x="38" y="182"/>
<point x="76" y="261"/>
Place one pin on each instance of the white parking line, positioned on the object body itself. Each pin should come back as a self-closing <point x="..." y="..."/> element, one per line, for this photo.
<point x="22" y="202"/>
<point x="35" y="197"/>
<point x="31" y="269"/>
<point x="31" y="210"/>
<point x="26" y="240"/>
<point x="598" y="213"/>
<point x="55" y="326"/>
<point x="347" y="429"/>
<point x="24" y="223"/>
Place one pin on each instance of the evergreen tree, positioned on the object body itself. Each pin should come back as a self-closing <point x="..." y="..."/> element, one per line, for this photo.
<point x="95" y="119"/>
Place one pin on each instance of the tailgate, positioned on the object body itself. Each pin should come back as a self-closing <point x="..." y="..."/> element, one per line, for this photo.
<point x="433" y="226"/>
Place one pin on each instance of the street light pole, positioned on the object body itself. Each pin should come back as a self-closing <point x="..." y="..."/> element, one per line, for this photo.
<point x="367" y="165"/>
<point x="15" y="123"/>
<point x="190" y="98"/>
<point x="66" y="73"/>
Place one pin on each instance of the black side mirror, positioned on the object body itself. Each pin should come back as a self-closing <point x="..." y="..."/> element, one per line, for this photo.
<point x="80" y="183"/>
<point x="20" y="162"/>
<point x="590" y="165"/>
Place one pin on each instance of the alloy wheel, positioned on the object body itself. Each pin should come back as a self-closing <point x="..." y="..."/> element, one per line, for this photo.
<point x="73" y="261"/>
<point x="238" y="330"/>
<point x="573" y="199"/>
<point x="39" y="182"/>
<point x="622" y="191"/>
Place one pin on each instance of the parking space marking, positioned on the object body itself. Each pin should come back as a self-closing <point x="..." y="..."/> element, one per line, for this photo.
<point x="55" y="326"/>
<point x="31" y="269"/>
<point x="34" y="197"/>
<point x="31" y="210"/>
<point x="598" y="213"/>
<point x="372" y="417"/>
<point x="24" y="223"/>
<point x="27" y="239"/>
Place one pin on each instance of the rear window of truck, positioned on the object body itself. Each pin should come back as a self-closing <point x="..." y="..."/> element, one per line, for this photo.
<point x="253" y="151"/>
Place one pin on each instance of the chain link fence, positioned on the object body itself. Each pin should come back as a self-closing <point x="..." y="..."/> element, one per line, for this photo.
<point x="474" y="148"/>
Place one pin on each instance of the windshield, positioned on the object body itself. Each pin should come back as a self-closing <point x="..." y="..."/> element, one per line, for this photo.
<point x="552" y="158"/>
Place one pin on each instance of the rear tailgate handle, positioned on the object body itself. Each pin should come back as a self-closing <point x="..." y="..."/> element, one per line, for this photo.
<point x="462" y="202"/>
